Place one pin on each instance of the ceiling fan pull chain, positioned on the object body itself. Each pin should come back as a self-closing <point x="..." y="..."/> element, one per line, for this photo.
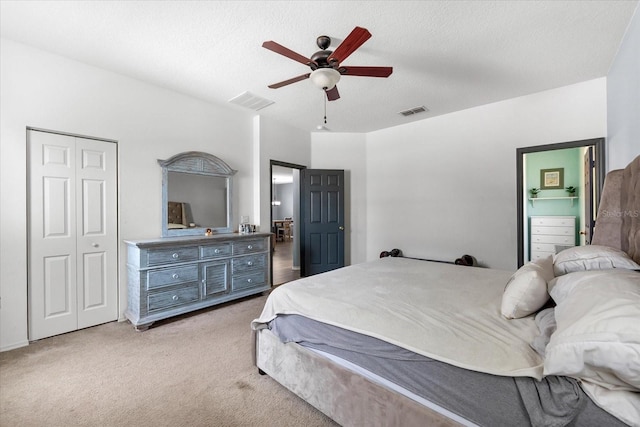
<point x="325" y="108"/>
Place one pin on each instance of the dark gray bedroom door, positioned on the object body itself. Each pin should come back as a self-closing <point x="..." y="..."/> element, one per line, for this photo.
<point x="322" y="220"/>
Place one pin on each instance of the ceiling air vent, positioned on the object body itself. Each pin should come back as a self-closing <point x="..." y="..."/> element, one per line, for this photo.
<point x="413" y="111"/>
<point x="250" y="101"/>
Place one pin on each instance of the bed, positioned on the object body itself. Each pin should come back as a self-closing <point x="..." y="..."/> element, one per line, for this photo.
<point x="404" y="342"/>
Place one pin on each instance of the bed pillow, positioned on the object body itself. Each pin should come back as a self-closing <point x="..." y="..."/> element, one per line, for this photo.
<point x="591" y="257"/>
<point x="526" y="291"/>
<point x="598" y="328"/>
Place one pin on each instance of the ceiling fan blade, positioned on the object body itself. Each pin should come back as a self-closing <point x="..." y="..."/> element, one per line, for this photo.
<point x="332" y="94"/>
<point x="353" y="41"/>
<point x="366" y="71"/>
<point x="288" y="82"/>
<point x="278" y="48"/>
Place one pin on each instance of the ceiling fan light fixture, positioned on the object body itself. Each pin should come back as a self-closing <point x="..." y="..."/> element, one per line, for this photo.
<point x="325" y="78"/>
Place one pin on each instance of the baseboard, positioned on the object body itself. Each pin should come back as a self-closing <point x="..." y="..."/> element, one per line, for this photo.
<point x="14" y="346"/>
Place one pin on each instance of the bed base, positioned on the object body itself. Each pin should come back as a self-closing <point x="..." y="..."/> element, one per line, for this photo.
<point x="343" y="395"/>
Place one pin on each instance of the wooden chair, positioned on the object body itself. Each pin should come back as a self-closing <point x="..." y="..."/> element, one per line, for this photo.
<point x="279" y="232"/>
<point x="288" y="231"/>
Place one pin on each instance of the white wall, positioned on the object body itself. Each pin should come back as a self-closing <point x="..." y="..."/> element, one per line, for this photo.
<point x="446" y="186"/>
<point x="347" y="151"/>
<point x="48" y="91"/>
<point x="623" y="100"/>
<point x="277" y="142"/>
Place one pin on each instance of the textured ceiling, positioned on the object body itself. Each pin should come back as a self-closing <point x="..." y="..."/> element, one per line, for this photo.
<point x="446" y="55"/>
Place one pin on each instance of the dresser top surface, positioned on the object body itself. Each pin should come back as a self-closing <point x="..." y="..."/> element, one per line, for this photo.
<point x="194" y="240"/>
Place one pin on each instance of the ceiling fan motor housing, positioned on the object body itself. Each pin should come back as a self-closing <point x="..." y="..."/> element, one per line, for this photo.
<point x="320" y="59"/>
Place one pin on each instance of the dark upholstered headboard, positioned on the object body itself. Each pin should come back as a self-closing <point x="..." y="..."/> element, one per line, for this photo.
<point x="618" y="219"/>
<point x="176" y="213"/>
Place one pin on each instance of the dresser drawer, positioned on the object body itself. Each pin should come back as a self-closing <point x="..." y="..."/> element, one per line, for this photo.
<point x="556" y="240"/>
<point x="215" y="251"/>
<point x="248" y="281"/>
<point x="554" y="231"/>
<point x="249" y="246"/>
<point x="543" y="247"/>
<point x="171" y="256"/>
<point x="249" y="263"/>
<point x="173" y="298"/>
<point x="540" y="254"/>
<point x="552" y="221"/>
<point x="172" y="276"/>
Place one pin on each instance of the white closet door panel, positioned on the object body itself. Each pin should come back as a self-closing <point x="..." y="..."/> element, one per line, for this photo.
<point x="52" y="248"/>
<point x="97" y="232"/>
<point x="56" y="206"/>
<point x="58" y="290"/>
<point x="94" y="267"/>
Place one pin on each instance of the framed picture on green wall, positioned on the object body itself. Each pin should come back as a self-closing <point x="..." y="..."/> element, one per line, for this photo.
<point x="552" y="179"/>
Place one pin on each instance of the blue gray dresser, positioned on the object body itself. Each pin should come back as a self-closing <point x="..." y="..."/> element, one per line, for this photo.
<point x="171" y="276"/>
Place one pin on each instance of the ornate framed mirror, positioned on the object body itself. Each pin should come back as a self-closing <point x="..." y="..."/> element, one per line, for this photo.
<point x="197" y="194"/>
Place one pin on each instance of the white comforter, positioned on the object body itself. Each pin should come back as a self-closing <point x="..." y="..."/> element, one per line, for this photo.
<point x="446" y="312"/>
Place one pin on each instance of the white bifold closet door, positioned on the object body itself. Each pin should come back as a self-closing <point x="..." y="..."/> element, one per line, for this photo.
<point x="73" y="243"/>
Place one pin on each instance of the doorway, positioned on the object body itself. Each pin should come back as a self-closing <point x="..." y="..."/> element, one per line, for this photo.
<point x="582" y="207"/>
<point x="285" y="215"/>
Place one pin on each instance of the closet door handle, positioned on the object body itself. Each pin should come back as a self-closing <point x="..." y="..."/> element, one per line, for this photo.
<point x="95" y="245"/>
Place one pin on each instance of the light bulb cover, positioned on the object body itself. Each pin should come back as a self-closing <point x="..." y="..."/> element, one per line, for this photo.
<point x="325" y="78"/>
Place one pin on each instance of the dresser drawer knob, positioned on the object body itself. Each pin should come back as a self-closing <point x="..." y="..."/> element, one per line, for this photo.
<point x="217" y="251"/>
<point x="175" y="297"/>
<point x="175" y="275"/>
<point x="249" y="280"/>
<point x="250" y="247"/>
<point x="175" y="255"/>
<point x="249" y="263"/>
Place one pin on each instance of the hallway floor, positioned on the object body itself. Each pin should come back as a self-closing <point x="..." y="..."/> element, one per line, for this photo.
<point x="283" y="263"/>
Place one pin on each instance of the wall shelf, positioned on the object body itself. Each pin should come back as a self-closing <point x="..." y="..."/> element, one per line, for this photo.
<point x="533" y="199"/>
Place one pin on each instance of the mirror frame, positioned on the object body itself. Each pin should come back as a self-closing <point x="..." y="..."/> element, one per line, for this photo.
<point x="195" y="162"/>
<point x="599" y="159"/>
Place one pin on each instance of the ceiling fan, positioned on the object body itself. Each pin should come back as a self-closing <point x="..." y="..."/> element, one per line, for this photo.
<point x="326" y="68"/>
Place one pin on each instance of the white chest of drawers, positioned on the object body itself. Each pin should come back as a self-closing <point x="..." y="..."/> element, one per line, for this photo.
<point x="547" y="232"/>
<point x="172" y="276"/>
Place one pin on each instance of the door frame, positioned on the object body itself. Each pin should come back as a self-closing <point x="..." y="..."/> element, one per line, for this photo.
<point x="600" y="166"/>
<point x="280" y="163"/>
<point x="117" y="208"/>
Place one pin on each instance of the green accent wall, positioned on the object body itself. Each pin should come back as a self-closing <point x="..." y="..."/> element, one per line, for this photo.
<point x="571" y="160"/>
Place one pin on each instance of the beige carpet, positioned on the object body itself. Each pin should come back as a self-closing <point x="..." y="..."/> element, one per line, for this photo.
<point x="196" y="370"/>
